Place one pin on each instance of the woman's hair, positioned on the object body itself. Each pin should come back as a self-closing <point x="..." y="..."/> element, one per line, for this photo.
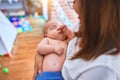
<point x="100" y="23"/>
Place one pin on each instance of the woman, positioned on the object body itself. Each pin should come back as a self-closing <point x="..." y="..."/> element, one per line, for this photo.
<point x="95" y="56"/>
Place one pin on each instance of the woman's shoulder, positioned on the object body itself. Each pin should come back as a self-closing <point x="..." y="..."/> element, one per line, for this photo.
<point x="109" y="61"/>
<point x="106" y="60"/>
<point x="104" y="64"/>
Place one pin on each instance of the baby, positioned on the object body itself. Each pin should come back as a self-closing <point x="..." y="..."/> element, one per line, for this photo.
<point x="53" y="49"/>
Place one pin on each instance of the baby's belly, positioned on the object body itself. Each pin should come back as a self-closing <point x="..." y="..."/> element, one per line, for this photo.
<point x="53" y="62"/>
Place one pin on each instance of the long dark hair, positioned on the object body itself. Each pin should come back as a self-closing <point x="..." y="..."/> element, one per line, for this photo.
<point x="100" y="23"/>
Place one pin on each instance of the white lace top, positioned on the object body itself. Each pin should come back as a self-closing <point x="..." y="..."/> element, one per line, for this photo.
<point x="105" y="67"/>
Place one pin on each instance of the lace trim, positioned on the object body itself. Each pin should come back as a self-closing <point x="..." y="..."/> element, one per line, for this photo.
<point x="111" y="51"/>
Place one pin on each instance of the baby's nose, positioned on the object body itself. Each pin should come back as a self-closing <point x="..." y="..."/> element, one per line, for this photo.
<point x="58" y="28"/>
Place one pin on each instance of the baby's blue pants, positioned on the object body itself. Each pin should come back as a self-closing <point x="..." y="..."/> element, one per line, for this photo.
<point x="49" y="76"/>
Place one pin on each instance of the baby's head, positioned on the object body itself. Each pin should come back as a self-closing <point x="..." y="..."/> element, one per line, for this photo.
<point x="51" y="30"/>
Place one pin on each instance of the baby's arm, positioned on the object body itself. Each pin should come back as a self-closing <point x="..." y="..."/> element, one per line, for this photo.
<point x="70" y="34"/>
<point x="45" y="48"/>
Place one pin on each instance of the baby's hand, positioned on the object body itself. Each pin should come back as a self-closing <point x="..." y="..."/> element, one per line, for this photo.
<point x="59" y="50"/>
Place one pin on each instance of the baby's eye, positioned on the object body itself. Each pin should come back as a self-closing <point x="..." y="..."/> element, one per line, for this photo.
<point x="53" y="27"/>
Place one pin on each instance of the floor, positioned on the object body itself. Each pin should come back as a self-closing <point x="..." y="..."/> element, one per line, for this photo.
<point x="21" y="64"/>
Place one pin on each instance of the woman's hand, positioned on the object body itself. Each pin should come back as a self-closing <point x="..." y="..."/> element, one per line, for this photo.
<point x="38" y="64"/>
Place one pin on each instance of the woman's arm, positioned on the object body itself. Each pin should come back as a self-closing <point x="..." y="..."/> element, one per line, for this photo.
<point x="38" y="64"/>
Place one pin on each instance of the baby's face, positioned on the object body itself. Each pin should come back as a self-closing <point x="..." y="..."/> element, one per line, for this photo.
<point x="54" y="32"/>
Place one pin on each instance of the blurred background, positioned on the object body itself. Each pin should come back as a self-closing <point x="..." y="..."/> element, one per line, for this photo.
<point x="21" y="24"/>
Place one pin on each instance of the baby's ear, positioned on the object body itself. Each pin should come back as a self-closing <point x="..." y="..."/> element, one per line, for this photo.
<point x="44" y="35"/>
